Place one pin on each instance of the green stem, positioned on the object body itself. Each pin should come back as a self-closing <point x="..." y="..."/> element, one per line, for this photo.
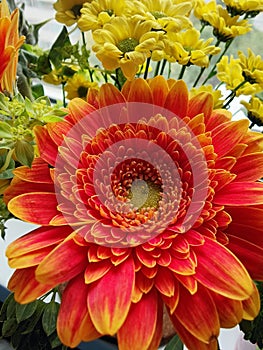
<point x="156" y="72"/>
<point x="199" y="76"/>
<point x="251" y="125"/>
<point x="147" y="67"/>
<point x="64" y="95"/>
<point x="170" y="70"/>
<point x="232" y="95"/>
<point x="181" y="74"/>
<point x="212" y="71"/>
<point x="163" y="67"/>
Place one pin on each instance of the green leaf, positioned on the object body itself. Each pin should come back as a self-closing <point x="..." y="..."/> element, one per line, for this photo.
<point x="3" y="311"/>
<point x="49" y="319"/>
<point x="175" y="344"/>
<point x="37" y="90"/>
<point x="57" y="54"/>
<point x="28" y="326"/>
<point x="49" y="118"/>
<point x="25" y="311"/>
<point x="5" y="131"/>
<point x="9" y="327"/>
<point x="24" y="152"/>
<point x="54" y="340"/>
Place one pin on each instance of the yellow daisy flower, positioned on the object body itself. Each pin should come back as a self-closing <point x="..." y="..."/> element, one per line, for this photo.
<point x="217" y="95"/>
<point x="95" y="14"/>
<point x="188" y="48"/>
<point x="252" y="66"/>
<point x="68" y="11"/>
<point x="165" y="14"/>
<point x="248" y="7"/>
<point x="229" y="71"/>
<point x="225" y="26"/>
<point x="78" y="85"/>
<point x="125" y="43"/>
<point x="254" y="110"/>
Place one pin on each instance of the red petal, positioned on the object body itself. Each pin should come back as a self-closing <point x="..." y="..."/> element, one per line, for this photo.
<point x="165" y="282"/>
<point x="240" y="193"/>
<point x="109" y="95"/>
<point x="63" y="263"/>
<point x="38" y="208"/>
<point x="249" y="167"/>
<point x="109" y="298"/>
<point x="39" y="172"/>
<point x="78" y="108"/>
<point x="138" y="329"/>
<point x="95" y="271"/>
<point x="47" y="148"/>
<point x="251" y="305"/>
<point x="140" y="91"/>
<point x="26" y="287"/>
<point x="227" y="135"/>
<point x="74" y="323"/>
<point x="249" y="254"/>
<point x="159" y="89"/>
<point x="229" y="279"/>
<point x="199" y="306"/>
<point x="158" y="333"/>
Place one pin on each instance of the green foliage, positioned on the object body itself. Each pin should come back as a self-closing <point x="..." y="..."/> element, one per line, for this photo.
<point x="175" y="344"/>
<point x="253" y="330"/>
<point x="31" y="326"/>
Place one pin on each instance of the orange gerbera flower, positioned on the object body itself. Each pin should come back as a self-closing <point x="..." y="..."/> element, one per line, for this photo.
<point x="10" y="42"/>
<point x="145" y="198"/>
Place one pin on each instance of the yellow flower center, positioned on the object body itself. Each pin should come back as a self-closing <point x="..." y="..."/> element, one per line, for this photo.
<point x="110" y="12"/>
<point x="158" y="14"/>
<point x="127" y="45"/>
<point x="82" y="91"/>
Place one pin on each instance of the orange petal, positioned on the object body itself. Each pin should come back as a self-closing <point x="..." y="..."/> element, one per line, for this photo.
<point x="78" y="108"/>
<point x="26" y="287"/>
<point x="165" y="282"/>
<point x="74" y="323"/>
<point x="109" y="298"/>
<point x="199" y="306"/>
<point x="109" y="95"/>
<point x="201" y="103"/>
<point x="240" y="193"/>
<point x="177" y="99"/>
<point x="251" y="306"/>
<point x="159" y="89"/>
<point x="139" y="327"/>
<point x="37" y="208"/>
<point x="140" y="91"/>
<point x="229" y="279"/>
<point x="158" y="333"/>
<point x="63" y="263"/>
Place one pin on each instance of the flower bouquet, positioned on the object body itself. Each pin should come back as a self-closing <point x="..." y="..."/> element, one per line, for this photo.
<point x="143" y="180"/>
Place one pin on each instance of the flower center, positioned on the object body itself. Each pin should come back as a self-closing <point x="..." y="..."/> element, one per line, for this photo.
<point x="82" y="91"/>
<point x="158" y="14"/>
<point x="76" y="10"/>
<point x="127" y="45"/>
<point x="110" y="12"/>
<point x="137" y="182"/>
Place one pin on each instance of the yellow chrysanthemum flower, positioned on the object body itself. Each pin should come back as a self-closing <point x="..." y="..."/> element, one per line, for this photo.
<point x="229" y="71"/>
<point x="165" y="14"/>
<point x="125" y="43"/>
<point x="188" y="48"/>
<point x="254" y="110"/>
<point x="78" y="85"/>
<point x="252" y="67"/>
<point x="201" y="8"/>
<point x="248" y="7"/>
<point x="60" y="75"/>
<point x="68" y="11"/>
<point x="217" y="95"/>
<point x="225" y="26"/>
<point x="95" y="14"/>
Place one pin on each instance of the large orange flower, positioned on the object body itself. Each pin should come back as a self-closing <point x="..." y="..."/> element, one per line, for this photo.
<point x="10" y="42"/>
<point x="145" y="198"/>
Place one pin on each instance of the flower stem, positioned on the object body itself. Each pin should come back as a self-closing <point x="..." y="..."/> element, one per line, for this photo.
<point x="181" y="74"/>
<point x="163" y="67"/>
<point x="64" y="95"/>
<point x="232" y="95"/>
<point x="212" y="72"/>
<point x="251" y="125"/>
<point x="147" y="67"/>
<point x="157" y="67"/>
